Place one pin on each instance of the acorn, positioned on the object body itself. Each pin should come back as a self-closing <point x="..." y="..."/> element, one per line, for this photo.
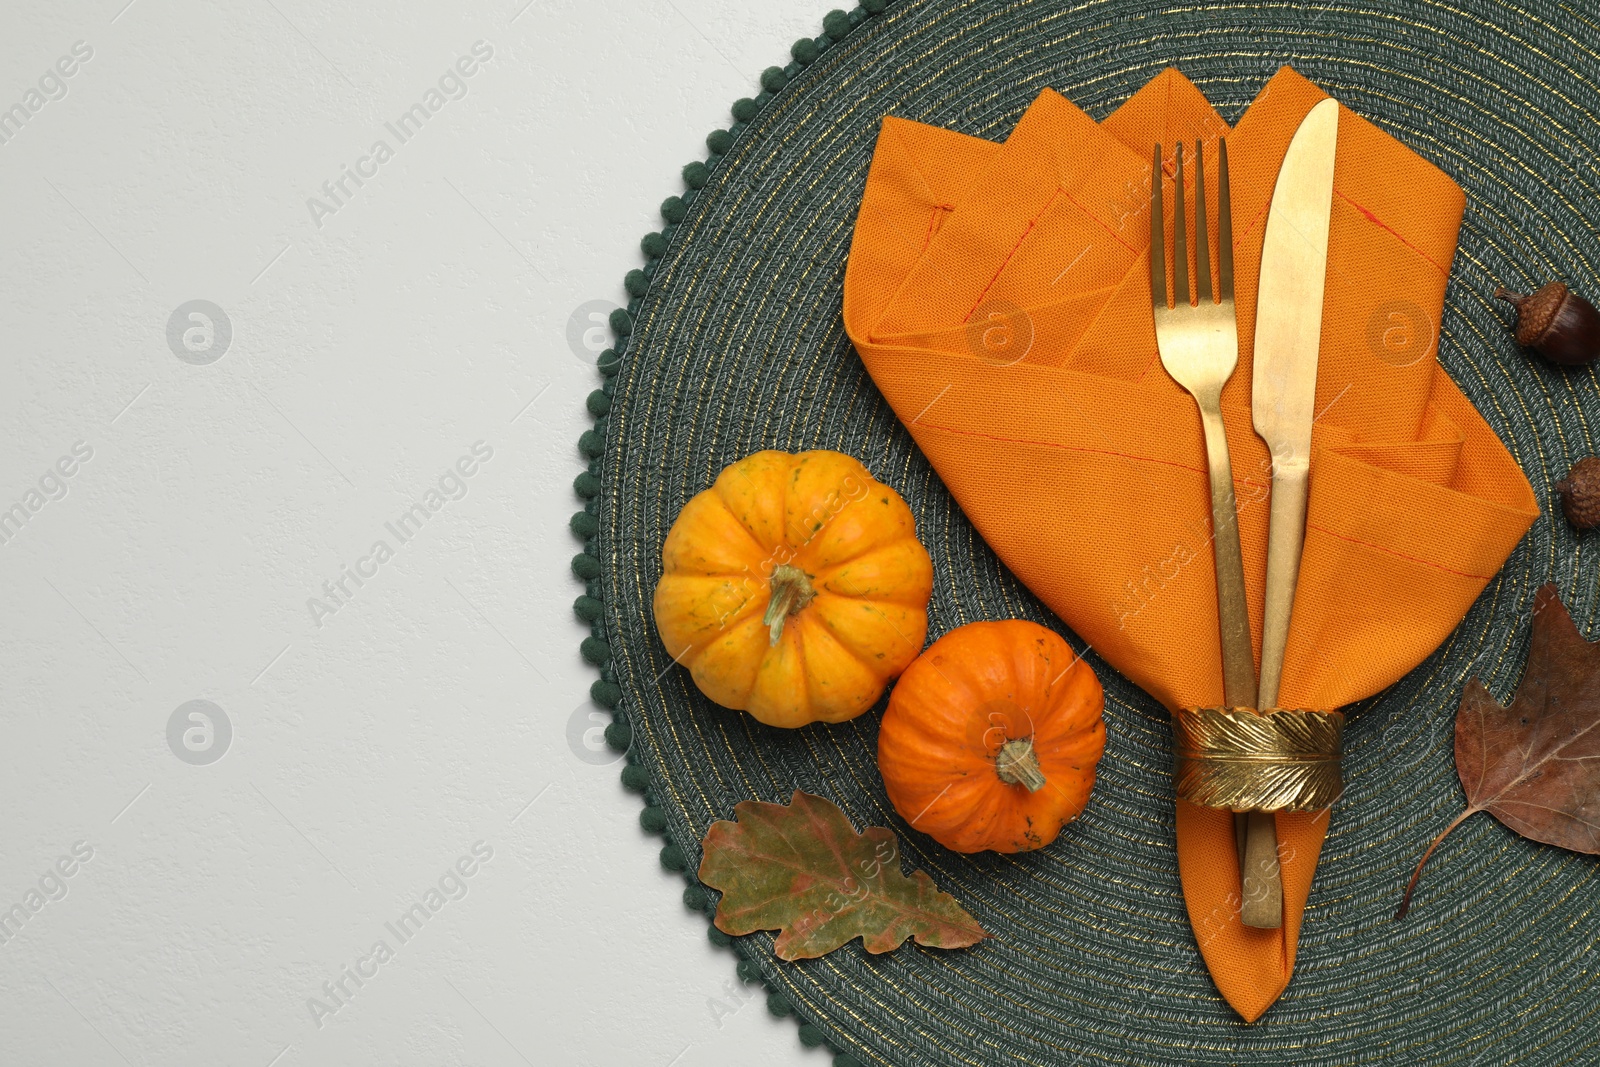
<point x="1557" y="323"/>
<point x="1580" y="493"/>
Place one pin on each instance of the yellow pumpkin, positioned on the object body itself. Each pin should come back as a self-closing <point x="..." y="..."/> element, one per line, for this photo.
<point x="794" y="588"/>
<point x="991" y="737"/>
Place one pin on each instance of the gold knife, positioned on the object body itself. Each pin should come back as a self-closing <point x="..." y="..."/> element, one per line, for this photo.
<point x="1294" y="265"/>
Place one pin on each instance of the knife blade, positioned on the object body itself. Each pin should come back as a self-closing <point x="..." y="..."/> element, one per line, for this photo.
<point x="1288" y="330"/>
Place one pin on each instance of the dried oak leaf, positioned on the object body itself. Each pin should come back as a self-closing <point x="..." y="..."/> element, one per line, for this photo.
<point x="1535" y="765"/>
<point x="803" y="869"/>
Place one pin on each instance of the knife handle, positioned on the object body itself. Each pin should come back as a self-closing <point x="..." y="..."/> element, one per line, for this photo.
<point x="1286" y="537"/>
<point x="1233" y="612"/>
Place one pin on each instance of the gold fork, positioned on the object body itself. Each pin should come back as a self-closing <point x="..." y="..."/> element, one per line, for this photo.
<point x="1199" y="345"/>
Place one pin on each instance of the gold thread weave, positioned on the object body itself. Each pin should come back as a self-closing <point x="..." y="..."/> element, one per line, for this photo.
<point x="1244" y="760"/>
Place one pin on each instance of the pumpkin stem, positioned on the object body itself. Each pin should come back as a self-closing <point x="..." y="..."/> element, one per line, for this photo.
<point x="1018" y="764"/>
<point x="791" y="591"/>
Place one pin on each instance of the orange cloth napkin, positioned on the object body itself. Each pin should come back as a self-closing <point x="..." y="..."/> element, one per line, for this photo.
<point x="999" y="296"/>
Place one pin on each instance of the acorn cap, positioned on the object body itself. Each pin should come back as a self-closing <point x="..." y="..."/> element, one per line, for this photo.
<point x="1580" y="493"/>
<point x="1557" y="323"/>
<point x="1537" y="311"/>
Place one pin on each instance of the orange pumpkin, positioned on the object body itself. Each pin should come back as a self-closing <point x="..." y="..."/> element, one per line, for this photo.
<point x="794" y="588"/>
<point x="991" y="737"/>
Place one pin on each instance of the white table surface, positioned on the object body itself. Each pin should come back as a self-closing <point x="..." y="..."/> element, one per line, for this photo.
<point x="375" y="741"/>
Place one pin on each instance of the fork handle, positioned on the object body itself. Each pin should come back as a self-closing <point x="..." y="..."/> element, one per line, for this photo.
<point x="1233" y="614"/>
<point x="1286" y="535"/>
<point x="1260" y="880"/>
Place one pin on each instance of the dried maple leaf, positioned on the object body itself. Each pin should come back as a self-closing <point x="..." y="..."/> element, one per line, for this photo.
<point x="803" y="869"/>
<point x="1535" y="765"/>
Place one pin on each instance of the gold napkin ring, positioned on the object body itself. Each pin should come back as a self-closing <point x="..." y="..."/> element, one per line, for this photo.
<point x="1237" y="758"/>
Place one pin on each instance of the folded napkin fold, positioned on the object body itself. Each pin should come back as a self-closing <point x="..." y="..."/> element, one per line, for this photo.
<point x="999" y="296"/>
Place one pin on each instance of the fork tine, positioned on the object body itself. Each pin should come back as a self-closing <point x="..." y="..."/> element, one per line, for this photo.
<point x="1180" y="241"/>
<point x="1224" y="226"/>
<point x="1202" y="240"/>
<point x="1158" y="242"/>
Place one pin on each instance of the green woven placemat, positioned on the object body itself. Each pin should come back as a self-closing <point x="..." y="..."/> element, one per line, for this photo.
<point x="735" y="344"/>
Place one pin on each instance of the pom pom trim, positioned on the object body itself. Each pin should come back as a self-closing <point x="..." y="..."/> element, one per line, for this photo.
<point x="589" y="486"/>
